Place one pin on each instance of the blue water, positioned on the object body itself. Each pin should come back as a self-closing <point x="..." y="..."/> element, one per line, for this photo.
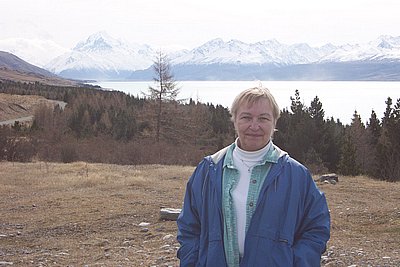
<point x="339" y="98"/>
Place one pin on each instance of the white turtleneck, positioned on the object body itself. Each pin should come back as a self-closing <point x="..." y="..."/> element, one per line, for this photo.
<point x="244" y="161"/>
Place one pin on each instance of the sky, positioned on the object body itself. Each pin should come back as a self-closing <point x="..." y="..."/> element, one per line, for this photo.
<point x="188" y="23"/>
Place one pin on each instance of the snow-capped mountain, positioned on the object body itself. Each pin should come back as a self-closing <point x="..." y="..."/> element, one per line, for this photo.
<point x="102" y="56"/>
<point x="272" y="52"/>
<point x="272" y="60"/>
<point x="266" y="52"/>
<point x="384" y="48"/>
<point x="38" y="52"/>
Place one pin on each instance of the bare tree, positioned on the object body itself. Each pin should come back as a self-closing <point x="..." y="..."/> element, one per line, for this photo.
<point x="165" y="90"/>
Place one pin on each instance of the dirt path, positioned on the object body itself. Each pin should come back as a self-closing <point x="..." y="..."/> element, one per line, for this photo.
<point x="107" y="215"/>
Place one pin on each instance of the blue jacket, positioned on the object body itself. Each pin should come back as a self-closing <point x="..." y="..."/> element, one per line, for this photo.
<point x="290" y="226"/>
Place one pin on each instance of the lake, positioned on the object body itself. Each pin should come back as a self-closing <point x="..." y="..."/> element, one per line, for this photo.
<point x="339" y="98"/>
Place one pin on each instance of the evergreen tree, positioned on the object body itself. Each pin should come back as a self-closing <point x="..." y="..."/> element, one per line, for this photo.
<point x="373" y="132"/>
<point x="334" y="134"/>
<point x="388" y="112"/>
<point x="318" y="133"/>
<point x="388" y="146"/>
<point x="299" y="140"/>
<point x="281" y="136"/>
<point x="317" y="113"/>
<point x="357" y="134"/>
<point x="374" y="128"/>
<point x="393" y="132"/>
<point x="124" y="126"/>
<point x="348" y="164"/>
<point x="297" y="107"/>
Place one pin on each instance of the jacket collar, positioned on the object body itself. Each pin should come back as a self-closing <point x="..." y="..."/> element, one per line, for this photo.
<point x="217" y="156"/>
<point x="272" y="156"/>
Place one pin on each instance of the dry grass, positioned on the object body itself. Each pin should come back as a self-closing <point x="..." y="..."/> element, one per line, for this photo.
<point x="365" y="222"/>
<point x="17" y="76"/>
<point x="89" y="214"/>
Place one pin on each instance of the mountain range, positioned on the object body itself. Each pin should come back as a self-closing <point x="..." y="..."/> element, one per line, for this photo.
<point x="102" y="57"/>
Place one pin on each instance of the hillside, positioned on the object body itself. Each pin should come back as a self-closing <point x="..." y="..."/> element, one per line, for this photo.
<point x="15" y="69"/>
<point x="22" y="107"/>
<point x="95" y="214"/>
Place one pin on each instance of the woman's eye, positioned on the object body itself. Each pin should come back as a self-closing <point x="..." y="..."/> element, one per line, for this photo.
<point x="264" y="119"/>
<point x="246" y="118"/>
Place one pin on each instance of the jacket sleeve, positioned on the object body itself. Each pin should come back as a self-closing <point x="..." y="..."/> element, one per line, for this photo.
<point x="314" y="231"/>
<point x="189" y="220"/>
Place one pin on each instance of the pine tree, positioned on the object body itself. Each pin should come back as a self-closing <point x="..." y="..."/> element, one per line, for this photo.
<point x="357" y="134"/>
<point x="393" y="132"/>
<point x="334" y="138"/>
<point x="297" y="107"/>
<point x="281" y="136"/>
<point x="374" y="128"/>
<point x="299" y="141"/>
<point x="348" y="164"/>
<point x="317" y="113"/>
<point x="317" y="132"/>
<point x="388" y="146"/>
<point x="373" y="132"/>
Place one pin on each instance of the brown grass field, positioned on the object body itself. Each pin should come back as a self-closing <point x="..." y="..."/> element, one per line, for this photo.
<point x="82" y="214"/>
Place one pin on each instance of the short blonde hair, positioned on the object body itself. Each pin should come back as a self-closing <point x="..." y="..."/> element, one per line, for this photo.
<point x="252" y="95"/>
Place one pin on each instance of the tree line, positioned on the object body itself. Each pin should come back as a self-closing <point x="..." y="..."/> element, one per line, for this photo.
<point x="326" y="145"/>
<point x="113" y="127"/>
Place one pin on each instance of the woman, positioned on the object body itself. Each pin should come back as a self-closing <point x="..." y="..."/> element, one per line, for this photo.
<point x="251" y="204"/>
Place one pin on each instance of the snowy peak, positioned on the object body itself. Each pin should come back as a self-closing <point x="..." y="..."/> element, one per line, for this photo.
<point x="266" y="52"/>
<point x="97" y="42"/>
<point x="103" y="53"/>
<point x="387" y="42"/>
<point x="101" y="42"/>
<point x="385" y="48"/>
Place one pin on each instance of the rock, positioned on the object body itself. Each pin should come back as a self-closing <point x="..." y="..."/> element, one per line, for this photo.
<point x="169" y="236"/>
<point x="331" y="178"/>
<point x="169" y="214"/>
<point x="143" y="224"/>
<point x="6" y="263"/>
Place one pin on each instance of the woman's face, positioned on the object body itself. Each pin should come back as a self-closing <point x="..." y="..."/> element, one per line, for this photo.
<point x="254" y="125"/>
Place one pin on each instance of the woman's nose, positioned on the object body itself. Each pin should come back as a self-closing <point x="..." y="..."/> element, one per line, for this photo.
<point x="254" y="125"/>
